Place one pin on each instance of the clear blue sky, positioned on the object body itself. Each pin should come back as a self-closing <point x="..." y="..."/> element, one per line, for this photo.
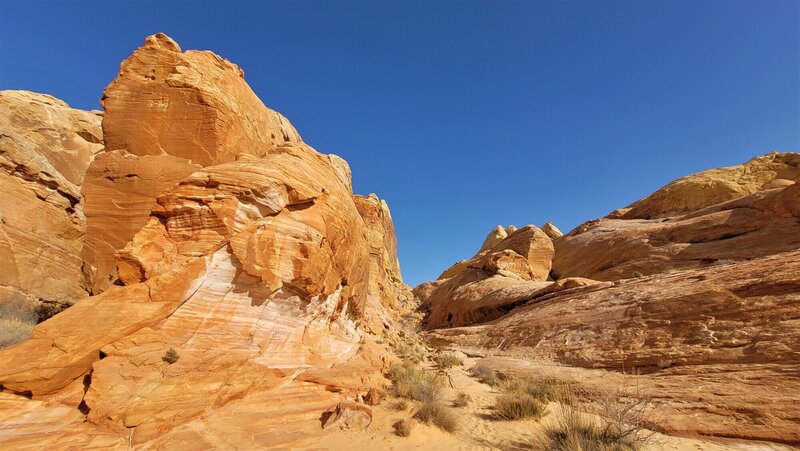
<point x="467" y="114"/>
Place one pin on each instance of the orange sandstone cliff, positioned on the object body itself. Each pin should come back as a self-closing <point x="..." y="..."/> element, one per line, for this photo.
<point x="228" y="287"/>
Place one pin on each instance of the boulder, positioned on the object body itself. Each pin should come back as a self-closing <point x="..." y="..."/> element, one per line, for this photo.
<point x="348" y="415"/>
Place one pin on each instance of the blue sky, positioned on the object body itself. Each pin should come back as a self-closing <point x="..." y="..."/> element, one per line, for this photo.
<point x="467" y="114"/>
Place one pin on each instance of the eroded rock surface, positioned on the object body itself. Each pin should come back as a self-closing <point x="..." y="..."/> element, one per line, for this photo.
<point x="243" y="288"/>
<point x="697" y="292"/>
<point x="763" y="223"/>
<point x="45" y="150"/>
<point x="710" y="344"/>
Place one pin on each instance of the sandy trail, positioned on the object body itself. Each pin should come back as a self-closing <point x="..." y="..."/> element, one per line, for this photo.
<point x="478" y="429"/>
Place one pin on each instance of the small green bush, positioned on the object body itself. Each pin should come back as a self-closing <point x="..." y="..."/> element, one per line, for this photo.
<point x="438" y="414"/>
<point x="519" y="406"/>
<point x="445" y="361"/>
<point x="485" y="375"/>
<point x="171" y="356"/>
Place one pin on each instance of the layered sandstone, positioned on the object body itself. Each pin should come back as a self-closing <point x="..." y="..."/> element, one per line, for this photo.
<point x="716" y="348"/>
<point x="524" y="253"/>
<point x="713" y="186"/>
<point x="193" y="105"/>
<point x="167" y="114"/>
<point x="243" y="287"/>
<point x="762" y="223"/>
<point x="45" y="149"/>
<point x="697" y="300"/>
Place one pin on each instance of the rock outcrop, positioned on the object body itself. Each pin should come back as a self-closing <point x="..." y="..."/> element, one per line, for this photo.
<point x="45" y="149"/>
<point x="761" y="223"/>
<point x="236" y="271"/>
<point x="711" y="346"/>
<point x="192" y="105"/>
<point x="167" y="114"/>
<point x="525" y="253"/>
<point x="695" y="285"/>
<point x="714" y="186"/>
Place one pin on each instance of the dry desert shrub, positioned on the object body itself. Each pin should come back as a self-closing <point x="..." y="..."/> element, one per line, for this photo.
<point x="438" y="414"/>
<point x="411" y="352"/>
<point x="403" y="428"/>
<point x="445" y="361"/>
<point x="575" y="431"/>
<point x="462" y="400"/>
<point x="485" y="375"/>
<point x="171" y="356"/>
<point x="400" y="405"/>
<point x="16" y="323"/>
<point x="620" y="424"/>
<point x="414" y="383"/>
<point x="519" y="406"/>
<point x="539" y="390"/>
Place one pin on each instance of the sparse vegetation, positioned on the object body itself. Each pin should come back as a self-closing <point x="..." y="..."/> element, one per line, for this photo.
<point x="414" y="383"/>
<point x="519" y="406"/>
<point x="403" y="428"/>
<point x="438" y="414"/>
<point x="575" y="431"/>
<point x="16" y="324"/>
<point x="665" y="363"/>
<point x="541" y="391"/>
<point x="620" y="424"/>
<point x="462" y="400"/>
<point x="171" y="356"/>
<point x="445" y="361"/>
<point x="637" y="274"/>
<point x="485" y="375"/>
<point x="401" y="404"/>
<point x="411" y="353"/>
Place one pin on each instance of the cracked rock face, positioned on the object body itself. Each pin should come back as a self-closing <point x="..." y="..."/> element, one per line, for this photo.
<point x="240" y="287"/>
<point x="45" y="149"/>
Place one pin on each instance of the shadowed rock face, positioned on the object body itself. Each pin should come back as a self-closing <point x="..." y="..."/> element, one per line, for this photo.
<point x="45" y="149"/>
<point x="704" y="311"/>
<point x="246" y="254"/>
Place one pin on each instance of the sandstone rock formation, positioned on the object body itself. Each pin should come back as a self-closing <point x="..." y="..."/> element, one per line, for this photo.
<point x="193" y="105"/>
<point x="711" y="345"/>
<point x="511" y="265"/>
<point x="710" y="290"/>
<point x="169" y="113"/>
<point x="45" y="149"/>
<point x="761" y="223"/>
<point x="242" y="255"/>
<point x="711" y="187"/>
<point x="525" y="253"/>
